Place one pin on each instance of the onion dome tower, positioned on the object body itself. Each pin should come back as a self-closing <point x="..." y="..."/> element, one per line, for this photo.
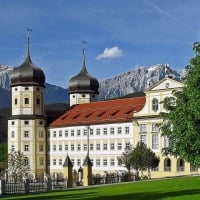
<point x="83" y="88"/>
<point x="26" y="126"/>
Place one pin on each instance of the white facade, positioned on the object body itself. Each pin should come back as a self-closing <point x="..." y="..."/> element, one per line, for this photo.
<point x="106" y="143"/>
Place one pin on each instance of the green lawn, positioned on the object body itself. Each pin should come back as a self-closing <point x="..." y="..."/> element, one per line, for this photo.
<point x="177" y="188"/>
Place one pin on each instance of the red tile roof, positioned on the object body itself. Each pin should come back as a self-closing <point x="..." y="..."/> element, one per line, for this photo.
<point x="100" y="112"/>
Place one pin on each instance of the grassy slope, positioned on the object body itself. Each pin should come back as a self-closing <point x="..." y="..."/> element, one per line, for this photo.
<point x="179" y="188"/>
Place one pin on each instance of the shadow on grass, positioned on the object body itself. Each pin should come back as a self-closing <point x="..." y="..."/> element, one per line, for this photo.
<point x="130" y="196"/>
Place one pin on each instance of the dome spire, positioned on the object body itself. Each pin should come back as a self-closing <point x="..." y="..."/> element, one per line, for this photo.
<point x="84" y="65"/>
<point x="28" y="58"/>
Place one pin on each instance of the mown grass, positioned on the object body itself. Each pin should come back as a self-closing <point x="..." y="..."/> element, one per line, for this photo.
<point x="170" y="189"/>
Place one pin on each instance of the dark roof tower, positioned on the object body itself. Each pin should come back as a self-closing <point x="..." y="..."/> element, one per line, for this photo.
<point x="83" y="82"/>
<point x="27" y="73"/>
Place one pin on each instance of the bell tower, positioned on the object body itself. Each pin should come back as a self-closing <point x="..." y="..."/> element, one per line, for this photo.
<point x="83" y="88"/>
<point x="27" y="124"/>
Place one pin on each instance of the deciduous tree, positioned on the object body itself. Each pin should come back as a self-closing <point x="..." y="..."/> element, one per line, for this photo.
<point x="181" y="123"/>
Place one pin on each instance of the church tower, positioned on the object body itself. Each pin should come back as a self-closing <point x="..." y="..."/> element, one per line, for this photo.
<point x="83" y="88"/>
<point x="26" y="126"/>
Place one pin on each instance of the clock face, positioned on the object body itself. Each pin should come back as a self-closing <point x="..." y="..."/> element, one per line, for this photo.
<point x="167" y="85"/>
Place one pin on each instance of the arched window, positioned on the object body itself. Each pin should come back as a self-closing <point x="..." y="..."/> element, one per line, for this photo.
<point x="155" y="104"/>
<point x="180" y="164"/>
<point x="167" y="164"/>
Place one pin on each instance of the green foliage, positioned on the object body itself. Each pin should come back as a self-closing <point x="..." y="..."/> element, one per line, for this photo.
<point x="143" y="158"/>
<point x="3" y="152"/>
<point x="126" y="158"/>
<point x="182" y="121"/>
<point x="139" y="158"/>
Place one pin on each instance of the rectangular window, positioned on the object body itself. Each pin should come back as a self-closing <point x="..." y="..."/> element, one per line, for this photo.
<point x="78" y="132"/>
<point x="127" y="130"/>
<point x="155" y="141"/>
<point x="66" y="133"/>
<point x="143" y="128"/>
<point x="85" y="147"/>
<point x="91" y="131"/>
<point x="26" y="122"/>
<point x="54" y="134"/>
<point x="119" y="146"/>
<point x="12" y="147"/>
<point x="104" y="146"/>
<point x="41" y="148"/>
<point x="112" y="162"/>
<point x="72" y="147"/>
<point x="98" y="132"/>
<point x="112" y="131"/>
<point x="54" y="161"/>
<point x="12" y="134"/>
<point x="112" y="146"/>
<point x="91" y="147"/>
<point x="105" y="131"/>
<point x="15" y="101"/>
<point x="143" y="139"/>
<point x="60" y="133"/>
<point x="128" y="146"/>
<point x="78" y="147"/>
<point x="155" y="127"/>
<point x="41" y="161"/>
<point x="66" y="147"/>
<point x="98" y="162"/>
<point x="98" y="147"/>
<point x="72" y="132"/>
<point x="60" y="147"/>
<point x="60" y="161"/>
<point x="26" y="134"/>
<point x="38" y="101"/>
<point x="78" y="162"/>
<point x="26" y="147"/>
<point x="26" y="101"/>
<point x="105" y="162"/>
<point x="119" y="130"/>
<point x="85" y="132"/>
<point x="41" y="135"/>
<point x="54" y="147"/>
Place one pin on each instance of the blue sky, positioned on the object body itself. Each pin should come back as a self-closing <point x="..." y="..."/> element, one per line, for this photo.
<point x="120" y="35"/>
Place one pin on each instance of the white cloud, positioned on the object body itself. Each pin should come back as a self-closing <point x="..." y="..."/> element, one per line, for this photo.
<point x="113" y="52"/>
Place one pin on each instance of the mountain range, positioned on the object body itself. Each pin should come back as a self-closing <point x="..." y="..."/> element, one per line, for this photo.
<point x="136" y="80"/>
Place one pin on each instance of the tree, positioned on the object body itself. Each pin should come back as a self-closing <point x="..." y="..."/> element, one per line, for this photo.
<point x="181" y="122"/>
<point x="3" y="152"/>
<point x="17" y="165"/>
<point x="126" y="159"/>
<point x="144" y="158"/>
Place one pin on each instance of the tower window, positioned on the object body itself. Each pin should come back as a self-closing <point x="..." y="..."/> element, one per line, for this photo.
<point x="26" y="101"/>
<point x="83" y="95"/>
<point x="13" y="123"/>
<point x="26" y="147"/>
<point x="38" y="89"/>
<point x="41" y="161"/>
<point x="26" y="122"/>
<point x="12" y="134"/>
<point x="38" y="101"/>
<point x="15" y="101"/>
<point x="26" y="161"/>
<point x="26" y="134"/>
<point x="15" y="89"/>
<point x="26" y="88"/>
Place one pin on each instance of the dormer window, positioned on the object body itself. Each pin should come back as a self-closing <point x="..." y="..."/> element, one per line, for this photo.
<point x="155" y="104"/>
